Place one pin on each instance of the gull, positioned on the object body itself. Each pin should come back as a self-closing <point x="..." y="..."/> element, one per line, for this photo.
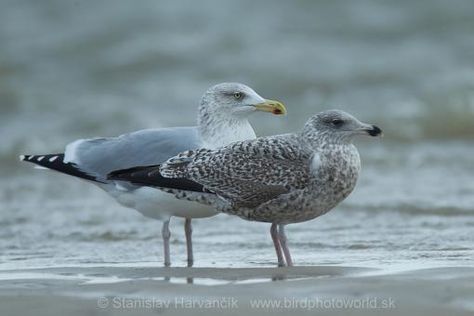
<point x="222" y="119"/>
<point x="281" y="179"/>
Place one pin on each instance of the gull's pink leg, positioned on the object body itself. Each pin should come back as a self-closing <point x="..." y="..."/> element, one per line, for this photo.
<point x="165" y="233"/>
<point x="276" y="243"/>
<point x="188" y="229"/>
<point x="284" y="245"/>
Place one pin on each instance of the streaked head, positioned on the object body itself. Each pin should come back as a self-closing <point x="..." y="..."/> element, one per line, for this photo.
<point x="238" y="100"/>
<point x="339" y="126"/>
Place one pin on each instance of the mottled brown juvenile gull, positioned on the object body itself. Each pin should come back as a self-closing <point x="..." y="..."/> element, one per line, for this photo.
<point x="222" y="119"/>
<point x="281" y="179"/>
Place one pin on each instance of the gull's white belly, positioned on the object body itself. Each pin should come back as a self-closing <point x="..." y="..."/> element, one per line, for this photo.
<point x="159" y="205"/>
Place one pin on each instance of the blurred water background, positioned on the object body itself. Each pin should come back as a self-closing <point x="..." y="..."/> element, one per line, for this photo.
<point x="78" y="69"/>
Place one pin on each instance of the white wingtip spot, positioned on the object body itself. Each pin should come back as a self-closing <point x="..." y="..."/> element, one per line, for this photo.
<point x="31" y="157"/>
<point x="40" y="158"/>
<point x="52" y="159"/>
<point x="22" y="157"/>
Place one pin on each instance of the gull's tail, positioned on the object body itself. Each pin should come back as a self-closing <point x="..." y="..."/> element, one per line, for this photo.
<point x="151" y="176"/>
<point x="56" y="162"/>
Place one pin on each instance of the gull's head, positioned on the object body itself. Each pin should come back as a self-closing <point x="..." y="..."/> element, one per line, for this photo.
<point x="339" y="126"/>
<point x="238" y="100"/>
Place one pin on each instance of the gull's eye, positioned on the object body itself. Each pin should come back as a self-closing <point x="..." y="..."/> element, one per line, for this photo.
<point x="237" y="95"/>
<point x="337" y="122"/>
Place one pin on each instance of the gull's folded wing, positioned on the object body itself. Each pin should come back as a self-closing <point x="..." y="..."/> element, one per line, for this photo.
<point x="246" y="173"/>
<point x="93" y="159"/>
<point x="150" y="176"/>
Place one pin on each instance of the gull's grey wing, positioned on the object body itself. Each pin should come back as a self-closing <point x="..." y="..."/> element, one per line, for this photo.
<point x="247" y="173"/>
<point x="100" y="156"/>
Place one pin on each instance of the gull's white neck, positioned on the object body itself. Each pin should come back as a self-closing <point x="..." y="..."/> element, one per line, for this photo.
<point x="221" y="129"/>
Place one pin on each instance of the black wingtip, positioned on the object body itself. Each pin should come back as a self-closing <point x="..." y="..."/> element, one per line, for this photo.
<point x="56" y="162"/>
<point x="127" y="174"/>
<point x="151" y="176"/>
<point x="30" y="157"/>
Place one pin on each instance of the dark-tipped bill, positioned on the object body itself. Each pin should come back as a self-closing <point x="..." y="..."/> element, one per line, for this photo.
<point x="271" y="106"/>
<point x="375" y="131"/>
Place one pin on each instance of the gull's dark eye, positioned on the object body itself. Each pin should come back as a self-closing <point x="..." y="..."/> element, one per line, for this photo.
<point x="337" y="122"/>
<point x="237" y="95"/>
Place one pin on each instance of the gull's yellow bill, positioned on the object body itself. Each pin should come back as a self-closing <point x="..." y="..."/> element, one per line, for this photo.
<point x="275" y="107"/>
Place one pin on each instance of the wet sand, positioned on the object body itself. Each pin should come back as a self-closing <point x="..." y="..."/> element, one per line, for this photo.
<point x="325" y="290"/>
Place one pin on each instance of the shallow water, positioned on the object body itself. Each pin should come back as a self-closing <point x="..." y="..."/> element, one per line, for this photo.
<point x="71" y="70"/>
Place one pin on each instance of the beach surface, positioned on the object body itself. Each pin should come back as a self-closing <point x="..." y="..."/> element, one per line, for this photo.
<point x="323" y="290"/>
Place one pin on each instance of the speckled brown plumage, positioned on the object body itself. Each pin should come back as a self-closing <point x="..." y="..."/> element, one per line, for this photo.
<point x="279" y="179"/>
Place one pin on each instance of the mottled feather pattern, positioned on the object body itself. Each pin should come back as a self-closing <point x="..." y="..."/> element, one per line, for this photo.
<point x="279" y="179"/>
<point x="272" y="179"/>
<point x="176" y="167"/>
<point x="225" y="171"/>
<point x="327" y="187"/>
